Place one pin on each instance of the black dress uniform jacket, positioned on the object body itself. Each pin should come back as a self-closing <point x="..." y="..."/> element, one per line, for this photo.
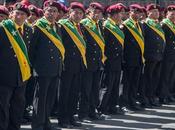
<point x="154" y="44"/>
<point x="132" y="51"/>
<point x="113" y="52"/>
<point x="169" y="54"/>
<point x="93" y="51"/>
<point x="10" y="73"/>
<point x="73" y="60"/>
<point x="44" y="55"/>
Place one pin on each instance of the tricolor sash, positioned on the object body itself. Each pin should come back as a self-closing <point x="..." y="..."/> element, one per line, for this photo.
<point x="170" y="24"/>
<point x="44" y="26"/>
<point x="93" y="31"/>
<point x="114" y="29"/>
<point x="155" y="27"/>
<point x="19" y="48"/>
<point x="76" y="37"/>
<point x="129" y="24"/>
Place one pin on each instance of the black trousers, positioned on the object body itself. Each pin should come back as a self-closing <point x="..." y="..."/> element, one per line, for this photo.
<point x="152" y="75"/>
<point x="12" y="103"/>
<point x="89" y="99"/>
<point x="131" y="75"/>
<point x="172" y="83"/>
<point x="166" y="78"/>
<point x="111" y="95"/>
<point x="69" y="95"/>
<point x="30" y="88"/>
<point x="44" y="97"/>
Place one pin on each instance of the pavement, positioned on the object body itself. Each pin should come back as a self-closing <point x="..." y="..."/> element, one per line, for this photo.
<point x="162" y="118"/>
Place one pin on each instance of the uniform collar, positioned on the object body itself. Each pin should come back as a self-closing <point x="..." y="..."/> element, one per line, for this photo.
<point x="17" y="27"/>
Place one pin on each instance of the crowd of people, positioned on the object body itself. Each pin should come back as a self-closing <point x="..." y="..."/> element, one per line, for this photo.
<point x="58" y="59"/>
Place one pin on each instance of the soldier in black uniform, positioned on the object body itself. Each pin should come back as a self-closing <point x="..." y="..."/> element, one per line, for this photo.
<point x="46" y="54"/>
<point x="168" y="67"/>
<point x="74" y="64"/>
<point x="94" y="55"/>
<point x="12" y="79"/>
<point x="154" y="49"/>
<point x="114" y="39"/>
<point x="133" y="58"/>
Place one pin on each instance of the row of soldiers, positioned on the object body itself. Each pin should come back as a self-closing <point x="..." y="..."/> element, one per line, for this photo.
<point x="66" y="56"/>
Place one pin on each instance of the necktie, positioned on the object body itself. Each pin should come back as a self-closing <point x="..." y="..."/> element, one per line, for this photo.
<point x="20" y="31"/>
<point x="97" y="25"/>
<point x="78" y="28"/>
<point x="53" y="27"/>
<point x="138" y="27"/>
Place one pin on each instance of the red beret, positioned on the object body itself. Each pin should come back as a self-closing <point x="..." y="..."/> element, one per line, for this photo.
<point x="4" y="10"/>
<point x="34" y="9"/>
<point x="120" y="4"/>
<point x="26" y="2"/>
<point x="135" y="7"/>
<point x="171" y="8"/>
<point x="114" y="9"/>
<point x="152" y="6"/>
<point x="52" y="3"/>
<point x="77" y="5"/>
<point x="21" y="7"/>
<point x="96" y="5"/>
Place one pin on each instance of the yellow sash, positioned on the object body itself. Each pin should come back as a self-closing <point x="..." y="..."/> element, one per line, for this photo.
<point x="56" y="42"/>
<point x="23" y="63"/>
<point x="139" y="41"/>
<point x="121" y="40"/>
<point x="158" y="32"/>
<point x="78" y="43"/>
<point x="172" y="29"/>
<point x="99" y="42"/>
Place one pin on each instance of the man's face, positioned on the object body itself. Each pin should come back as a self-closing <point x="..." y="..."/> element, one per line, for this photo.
<point x="51" y="13"/>
<point x="121" y="14"/>
<point x="154" y="13"/>
<point x="135" y="14"/>
<point x="60" y="15"/>
<point x="118" y="17"/>
<point x="171" y="15"/>
<point x="76" y="14"/>
<point x="3" y="17"/>
<point x="96" y="14"/>
<point x="19" y="16"/>
<point x="125" y="16"/>
<point x="142" y="16"/>
<point x="32" y="18"/>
